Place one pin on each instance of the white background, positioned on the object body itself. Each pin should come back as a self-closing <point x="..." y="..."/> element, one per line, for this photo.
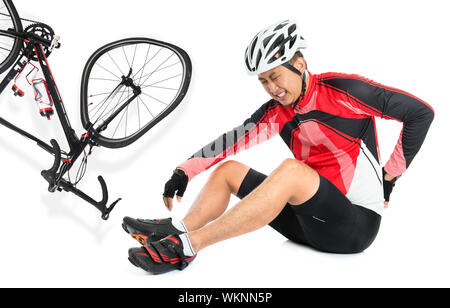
<point x="59" y="240"/>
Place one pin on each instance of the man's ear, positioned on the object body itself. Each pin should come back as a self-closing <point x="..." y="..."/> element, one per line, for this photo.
<point x="300" y="64"/>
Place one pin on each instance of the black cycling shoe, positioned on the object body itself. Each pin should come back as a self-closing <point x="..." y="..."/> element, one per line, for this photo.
<point x="160" y="257"/>
<point x="149" y="230"/>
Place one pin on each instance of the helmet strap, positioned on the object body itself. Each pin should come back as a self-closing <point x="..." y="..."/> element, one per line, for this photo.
<point x="302" y="93"/>
<point x="292" y="68"/>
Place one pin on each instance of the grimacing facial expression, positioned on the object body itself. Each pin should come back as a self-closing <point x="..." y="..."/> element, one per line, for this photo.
<point x="282" y="84"/>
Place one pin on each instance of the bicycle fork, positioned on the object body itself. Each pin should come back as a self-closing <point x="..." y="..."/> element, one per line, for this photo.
<point x="126" y="82"/>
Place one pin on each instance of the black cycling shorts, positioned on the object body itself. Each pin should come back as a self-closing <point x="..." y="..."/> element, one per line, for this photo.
<point x="328" y="221"/>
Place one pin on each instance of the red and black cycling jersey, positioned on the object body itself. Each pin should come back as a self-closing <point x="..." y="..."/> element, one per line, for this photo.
<point x="332" y="129"/>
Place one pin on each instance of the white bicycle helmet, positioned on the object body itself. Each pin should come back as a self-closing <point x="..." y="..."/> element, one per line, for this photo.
<point x="273" y="46"/>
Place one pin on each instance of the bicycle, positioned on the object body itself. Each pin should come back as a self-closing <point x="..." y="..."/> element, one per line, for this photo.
<point x="127" y="87"/>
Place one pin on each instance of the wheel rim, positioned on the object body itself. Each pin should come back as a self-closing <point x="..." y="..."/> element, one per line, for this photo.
<point x="7" y="44"/>
<point x="157" y="70"/>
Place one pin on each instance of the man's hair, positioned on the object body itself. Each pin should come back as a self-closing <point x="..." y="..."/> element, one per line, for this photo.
<point x="298" y="54"/>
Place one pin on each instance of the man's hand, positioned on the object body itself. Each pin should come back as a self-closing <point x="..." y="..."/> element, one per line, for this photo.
<point x="388" y="186"/>
<point x="177" y="183"/>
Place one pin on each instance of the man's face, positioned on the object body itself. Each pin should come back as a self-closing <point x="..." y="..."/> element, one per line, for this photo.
<point x="282" y="84"/>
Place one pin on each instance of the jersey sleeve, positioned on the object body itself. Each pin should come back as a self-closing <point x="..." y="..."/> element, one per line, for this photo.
<point x="259" y="127"/>
<point x="374" y="99"/>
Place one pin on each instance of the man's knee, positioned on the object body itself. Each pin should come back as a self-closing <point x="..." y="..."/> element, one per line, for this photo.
<point x="292" y="170"/>
<point x="228" y="167"/>
<point x="294" y="167"/>
<point x="233" y="172"/>
<point x="301" y="180"/>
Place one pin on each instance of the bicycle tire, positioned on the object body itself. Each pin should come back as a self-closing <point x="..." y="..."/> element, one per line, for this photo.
<point x="179" y="84"/>
<point x="9" y="46"/>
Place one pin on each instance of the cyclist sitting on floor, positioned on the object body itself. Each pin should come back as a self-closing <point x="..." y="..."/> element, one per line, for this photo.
<point x="330" y="196"/>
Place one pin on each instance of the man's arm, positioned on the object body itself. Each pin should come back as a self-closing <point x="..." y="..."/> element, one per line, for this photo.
<point x="259" y="127"/>
<point x="374" y="99"/>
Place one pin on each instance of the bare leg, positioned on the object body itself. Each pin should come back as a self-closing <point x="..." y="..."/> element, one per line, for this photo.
<point x="292" y="182"/>
<point x="213" y="199"/>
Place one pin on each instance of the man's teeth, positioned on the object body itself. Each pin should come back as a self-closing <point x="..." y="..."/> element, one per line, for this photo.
<point x="281" y="94"/>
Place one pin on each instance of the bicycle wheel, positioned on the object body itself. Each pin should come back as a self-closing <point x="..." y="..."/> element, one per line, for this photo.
<point x="130" y="85"/>
<point x="9" y="45"/>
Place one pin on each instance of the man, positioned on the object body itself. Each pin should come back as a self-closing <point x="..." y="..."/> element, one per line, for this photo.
<point x="330" y="196"/>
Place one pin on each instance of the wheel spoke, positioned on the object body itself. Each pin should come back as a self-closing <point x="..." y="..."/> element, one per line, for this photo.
<point x="142" y="68"/>
<point x="154" y="98"/>
<point x="134" y="55"/>
<point x="99" y="104"/>
<point x="9" y="46"/>
<point x="145" y="61"/>
<point x="106" y="79"/>
<point x="104" y="109"/>
<point x="115" y="64"/>
<point x="162" y="68"/>
<point x="118" y="78"/>
<point x="118" y="124"/>
<point x="98" y="94"/>
<point x="111" y="111"/>
<point x="152" y="84"/>
<point x="3" y="53"/>
<point x="145" y="105"/>
<point x="126" y="58"/>
<point x="157" y="68"/>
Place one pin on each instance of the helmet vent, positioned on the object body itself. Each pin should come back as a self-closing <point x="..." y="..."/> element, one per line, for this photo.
<point x="293" y="39"/>
<point x="276" y="44"/>
<point x="292" y="29"/>
<point x="252" y="49"/>
<point x="267" y="40"/>
<point x="258" y="58"/>
<point x="280" y="26"/>
<point x="247" y="64"/>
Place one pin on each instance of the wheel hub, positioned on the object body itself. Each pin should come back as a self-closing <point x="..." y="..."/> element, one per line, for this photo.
<point x="129" y="82"/>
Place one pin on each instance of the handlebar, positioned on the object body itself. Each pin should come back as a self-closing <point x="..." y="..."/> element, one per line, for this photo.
<point x="101" y="205"/>
<point x="52" y="177"/>
<point x="51" y="174"/>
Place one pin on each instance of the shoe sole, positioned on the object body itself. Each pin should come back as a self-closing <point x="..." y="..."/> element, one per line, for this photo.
<point x="132" y="262"/>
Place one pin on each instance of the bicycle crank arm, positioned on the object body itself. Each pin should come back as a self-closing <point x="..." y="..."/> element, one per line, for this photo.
<point x="101" y="206"/>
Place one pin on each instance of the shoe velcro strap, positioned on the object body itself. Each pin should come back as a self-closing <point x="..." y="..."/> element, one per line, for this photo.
<point x="160" y="253"/>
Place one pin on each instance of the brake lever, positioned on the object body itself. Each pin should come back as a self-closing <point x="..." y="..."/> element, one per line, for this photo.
<point x="50" y="174"/>
<point x="102" y="204"/>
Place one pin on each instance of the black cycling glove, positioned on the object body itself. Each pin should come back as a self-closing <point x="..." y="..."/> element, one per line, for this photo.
<point x="388" y="186"/>
<point x="177" y="183"/>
